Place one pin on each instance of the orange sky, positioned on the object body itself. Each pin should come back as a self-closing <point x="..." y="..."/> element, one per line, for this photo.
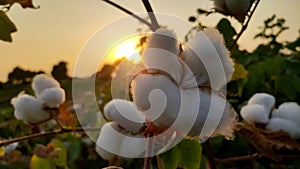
<point x="59" y="29"/>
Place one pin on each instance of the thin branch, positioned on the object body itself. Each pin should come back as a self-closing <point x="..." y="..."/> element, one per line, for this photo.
<point x="207" y="149"/>
<point x="245" y="25"/>
<point x="151" y="15"/>
<point x="129" y="12"/>
<point x="53" y="132"/>
<point x="254" y="156"/>
<point x="149" y="153"/>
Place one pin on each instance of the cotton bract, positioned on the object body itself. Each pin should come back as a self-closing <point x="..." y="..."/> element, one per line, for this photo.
<point x="41" y="82"/>
<point x="29" y="109"/>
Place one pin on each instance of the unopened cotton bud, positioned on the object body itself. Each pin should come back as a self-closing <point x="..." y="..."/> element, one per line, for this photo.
<point x="133" y="146"/>
<point x="292" y="128"/>
<point x="109" y="140"/>
<point x="29" y="109"/>
<point x="41" y="82"/>
<point x="255" y="113"/>
<point x="289" y="111"/>
<point x="237" y="6"/>
<point x="264" y="99"/>
<point x="53" y="97"/>
<point x="125" y="114"/>
<point x="208" y="58"/>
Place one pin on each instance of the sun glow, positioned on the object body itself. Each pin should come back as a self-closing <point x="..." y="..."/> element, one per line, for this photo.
<point x="128" y="50"/>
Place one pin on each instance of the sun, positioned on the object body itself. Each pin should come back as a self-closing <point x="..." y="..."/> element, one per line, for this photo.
<point x="128" y="50"/>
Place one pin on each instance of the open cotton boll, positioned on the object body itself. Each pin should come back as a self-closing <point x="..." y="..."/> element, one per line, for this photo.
<point x="157" y="97"/>
<point x="29" y="109"/>
<point x="53" y="97"/>
<point x="209" y="59"/>
<point x="238" y="6"/>
<point x="289" y="111"/>
<point x="263" y="99"/>
<point x="255" y="113"/>
<point x="125" y="114"/>
<point x="41" y="82"/>
<point x="163" y="39"/>
<point x="292" y="128"/>
<point x="109" y="140"/>
<point x="133" y="146"/>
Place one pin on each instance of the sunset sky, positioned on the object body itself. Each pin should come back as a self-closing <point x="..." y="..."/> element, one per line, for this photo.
<point x="59" y="30"/>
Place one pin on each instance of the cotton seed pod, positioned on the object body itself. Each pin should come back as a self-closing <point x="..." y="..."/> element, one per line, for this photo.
<point x="220" y="5"/>
<point x="29" y="109"/>
<point x="41" y="82"/>
<point x="255" y="113"/>
<point x="157" y="97"/>
<point x="292" y="128"/>
<point x="53" y="97"/>
<point x="125" y="114"/>
<point x="133" y="146"/>
<point x="263" y="99"/>
<point x="238" y="6"/>
<point x="109" y="140"/>
<point x="208" y="58"/>
<point x="289" y="111"/>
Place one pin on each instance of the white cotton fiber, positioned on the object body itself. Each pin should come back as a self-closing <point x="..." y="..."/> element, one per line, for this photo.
<point x="41" y="82"/>
<point x="53" y="97"/>
<point x="263" y="99"/>
<point x="163" y="39"/>
<point x="125" y="114"/>
<point x="29" y="109"/>
<point x="289" y="111"/>
<point x="164" y="104"/>
<point x="292" y="128"/>
<point x="208" y="58"/>
<point x="109" y="140"/>
<point x="133" y="146"/>
<point x="255" y="113"/>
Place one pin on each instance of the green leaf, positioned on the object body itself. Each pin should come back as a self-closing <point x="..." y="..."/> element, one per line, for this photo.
<point x="41" y="163"/>
<point x="239" y="72"/>
<point x="224" y="26"/>
<point x="187" y="155"/>
<point x="60" y="159"/>
<point x="2" y="151"/>
<point x="6" y="27"/>
<point x="283" y="85"/>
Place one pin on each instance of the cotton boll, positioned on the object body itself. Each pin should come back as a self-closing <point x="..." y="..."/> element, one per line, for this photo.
<point x="41" y="82"/>
<point x="238" y="6"/>
<point x="125" y="114"/>
<point x="208" y="59"/>
<point x="255" y="113"/>
<point x="292" y="128"/>
<point x="29" y="109"/>
<point x="53" y="97"/>
<point x="164" y="104"/>
<point x="163" y="39"/>
<point x="109" y="140"/>
<point x="133" y="146"/>
<point x="263" y="99"/>
<point x="220" y="5"/>
<point x="289" y="111"/>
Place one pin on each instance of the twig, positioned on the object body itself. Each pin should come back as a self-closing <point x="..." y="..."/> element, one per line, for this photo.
<point x="129" y="12"/>
<point x="53" y="132"/>
<point x="254" y="156"/>
<point x="151" y="15"/>
<point x="149" y="153"/>
<point x="207" y="149"/>
<point x="245" y="25"/>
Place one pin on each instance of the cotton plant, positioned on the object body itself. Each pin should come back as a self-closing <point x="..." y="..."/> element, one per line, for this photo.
<point x="235" y="8"/>
<point x="260" y="109"/>
<point x="33" y="109"/>
<point x="168" y="91"/>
